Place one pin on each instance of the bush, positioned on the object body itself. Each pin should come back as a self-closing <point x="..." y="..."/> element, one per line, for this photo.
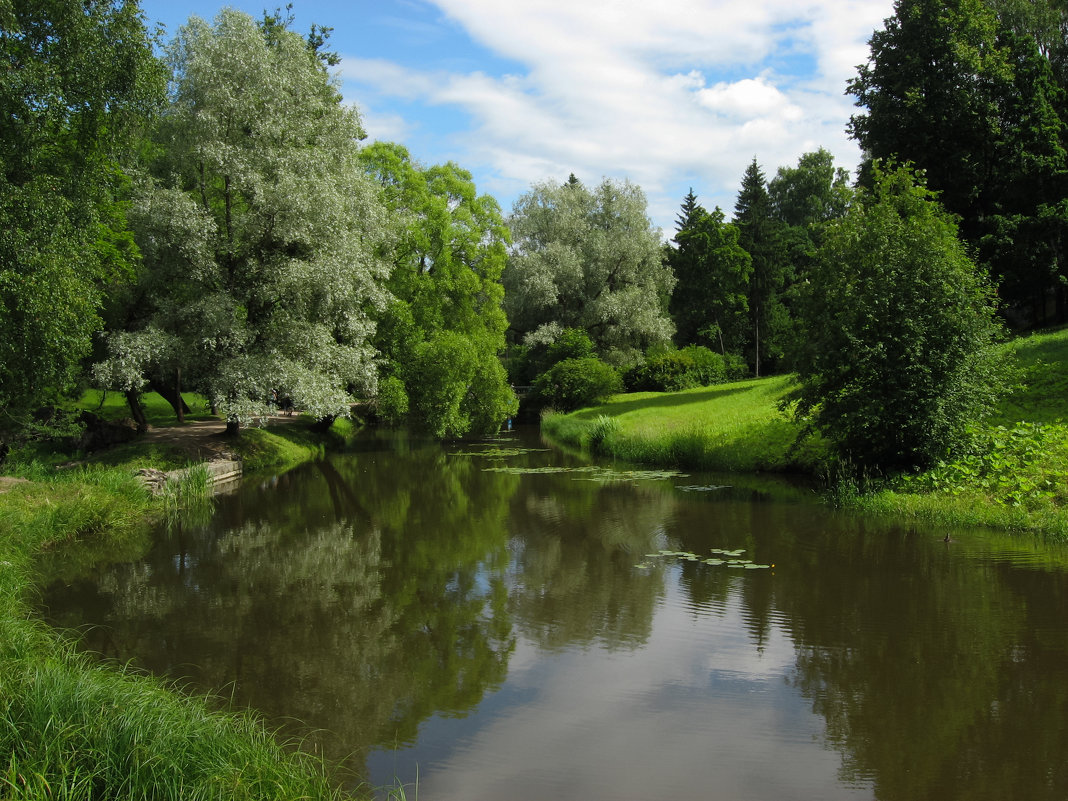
<point x="525" y="362"/>
<point x="674" y="370"/>
<point x="391" y="404"/>
<point x="898" y="329"/>
<point x="573" y="383"/>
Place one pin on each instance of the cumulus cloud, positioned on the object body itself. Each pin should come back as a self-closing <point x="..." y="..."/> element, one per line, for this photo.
<point x="678" y="93"/>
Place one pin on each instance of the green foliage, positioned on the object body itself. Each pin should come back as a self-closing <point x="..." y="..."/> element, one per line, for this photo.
<point x="445" y="366"/>
<point x="674" y="370"/>
<point x="590" y="260"/>
<point x="572" y="383"/>
<point x="761" y="235"/>
<point x="258" y="228"/>
<point x="447" y="260"/>
<point x="899" y="328"/>
<point x="391" y="402"/>
<point x="709" y="304"/>
<point x="972" y="92"/>
<point x="80" y="79"/>
<point x="572" y="343"/>
<point x="1022" y="466"/>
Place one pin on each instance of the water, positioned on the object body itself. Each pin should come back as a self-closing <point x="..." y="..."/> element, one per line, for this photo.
<point x="489" y="624"/>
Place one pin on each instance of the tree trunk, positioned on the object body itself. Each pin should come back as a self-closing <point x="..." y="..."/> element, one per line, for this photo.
<point x="756" y="352"/>
<point x="173" y="396"/>
<point x="181" y="408"/>
<point x="137" y="412"/>
<point x="322" y="425"/>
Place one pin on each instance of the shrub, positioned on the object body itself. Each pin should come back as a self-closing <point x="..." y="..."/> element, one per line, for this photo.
<point x="898" y="326"/>
<point x="391" y="404"/>
<point x="576" y="382"/>
<point x="674" y="370"/>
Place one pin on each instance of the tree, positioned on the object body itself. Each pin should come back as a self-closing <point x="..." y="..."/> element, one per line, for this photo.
<point x="761" y="237"/>
<point x="590" y="260"/>
<point x="78" y="80"/>
<point x="709" y="304"/>
<point x="898" y="326"/>
<point x="443" y="334"/>
<point x="810" y="194"/>
<point x="964" y="92"/>
<point x="259" y="229"/>
<point x="803" y="200"/>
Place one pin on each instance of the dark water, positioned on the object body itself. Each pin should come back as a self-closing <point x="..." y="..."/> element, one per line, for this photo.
<point x="502" y="634"/>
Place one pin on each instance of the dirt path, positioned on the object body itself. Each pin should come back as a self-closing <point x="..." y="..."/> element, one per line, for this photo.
<point x="202" y="439"/>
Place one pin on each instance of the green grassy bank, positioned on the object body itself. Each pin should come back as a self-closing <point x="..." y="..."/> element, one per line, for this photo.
<point x="73" y="729"/>
<point x="1015" y="476"/>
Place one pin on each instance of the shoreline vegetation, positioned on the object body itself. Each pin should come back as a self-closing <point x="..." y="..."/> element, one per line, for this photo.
<point x="74" y="728"/>
<point x="1014" y="476"/>
<point x="77" y="729"/>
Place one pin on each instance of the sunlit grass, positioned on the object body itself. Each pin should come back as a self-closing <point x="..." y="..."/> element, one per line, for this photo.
<point x="735" y="427"/>
<point x="1015" y="476"/>
<point x="158" y="412"/>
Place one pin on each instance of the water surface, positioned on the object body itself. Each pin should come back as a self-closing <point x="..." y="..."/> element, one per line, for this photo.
<point x="489" y="621"/>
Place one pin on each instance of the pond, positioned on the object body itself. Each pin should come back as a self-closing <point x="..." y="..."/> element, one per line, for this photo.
<point x="503" y="620"/>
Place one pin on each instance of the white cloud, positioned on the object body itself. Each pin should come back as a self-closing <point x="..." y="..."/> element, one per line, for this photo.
<point x="687" y="91"/>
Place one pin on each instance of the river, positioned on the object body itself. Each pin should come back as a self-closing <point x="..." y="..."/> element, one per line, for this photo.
<point x="504" y="620"/>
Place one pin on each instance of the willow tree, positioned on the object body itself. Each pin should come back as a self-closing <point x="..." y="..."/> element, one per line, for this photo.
<point x="588" y="259"/>
<point x="443" y="334"/>
<point x="260" y="231"/>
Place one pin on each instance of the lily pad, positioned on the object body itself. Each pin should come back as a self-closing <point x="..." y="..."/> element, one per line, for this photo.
<point x="725" y="552"/>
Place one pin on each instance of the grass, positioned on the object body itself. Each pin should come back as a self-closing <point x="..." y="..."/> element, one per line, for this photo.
<point x="73" y="729"/>
<point x="730" y="427"/>
<point x="1014" y="476"/>
<point x="112" y="406"/>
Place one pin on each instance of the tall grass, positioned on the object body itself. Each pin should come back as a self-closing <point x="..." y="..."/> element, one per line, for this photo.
<point x="80" y="731"/>
<point x="73" y="729"/>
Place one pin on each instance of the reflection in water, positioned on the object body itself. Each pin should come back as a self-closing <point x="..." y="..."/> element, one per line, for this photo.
<point x="493" y="633"/>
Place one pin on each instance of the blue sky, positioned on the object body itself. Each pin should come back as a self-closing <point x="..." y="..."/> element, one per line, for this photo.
<point x="669" y="95"/>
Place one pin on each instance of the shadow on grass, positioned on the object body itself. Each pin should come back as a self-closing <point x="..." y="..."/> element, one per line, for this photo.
<point x="665" y="401"/>
<point x="1049" y="347"/>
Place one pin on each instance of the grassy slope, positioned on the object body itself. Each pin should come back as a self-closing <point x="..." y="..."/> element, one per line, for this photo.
<point x="72" y="729"/>
<point x="1017" y="479"/>
<point x="734" y="426"/>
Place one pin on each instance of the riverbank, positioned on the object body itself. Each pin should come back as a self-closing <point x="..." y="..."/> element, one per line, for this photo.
<point x="74" y="729"/>
<point x="1015" y="477"/>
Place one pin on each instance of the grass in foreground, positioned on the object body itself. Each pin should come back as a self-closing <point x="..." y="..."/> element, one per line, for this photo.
<point x="1015" y="476"/>
<point x="72" y="729"/>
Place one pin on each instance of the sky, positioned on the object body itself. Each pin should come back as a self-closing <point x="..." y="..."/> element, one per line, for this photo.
<point x="671" y="95"/>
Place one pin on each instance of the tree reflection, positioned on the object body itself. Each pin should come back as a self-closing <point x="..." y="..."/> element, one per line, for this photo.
<point x="358" y="597"/>
<point x="576" y="547"/>
<point x="928" y="672"/>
